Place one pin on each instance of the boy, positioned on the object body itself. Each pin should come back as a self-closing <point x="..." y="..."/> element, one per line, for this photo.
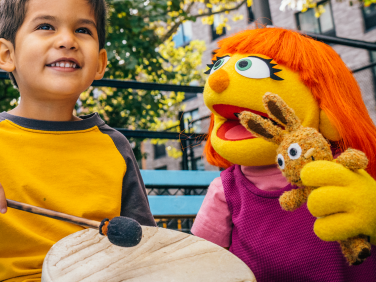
<point x="48" y="157"/>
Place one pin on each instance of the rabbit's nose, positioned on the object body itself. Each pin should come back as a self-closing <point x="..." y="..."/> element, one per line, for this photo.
<point x="219" y="81"/>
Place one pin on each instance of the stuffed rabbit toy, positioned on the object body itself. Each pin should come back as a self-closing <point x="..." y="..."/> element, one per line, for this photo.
<point x="298" y="146"/>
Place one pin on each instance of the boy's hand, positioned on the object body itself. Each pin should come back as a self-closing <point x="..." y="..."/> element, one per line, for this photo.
<point x="345" y="201"/>
<point x="3" y="202"/>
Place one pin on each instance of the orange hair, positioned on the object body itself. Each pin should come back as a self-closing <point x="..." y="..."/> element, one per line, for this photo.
<point x="323" y="72"/>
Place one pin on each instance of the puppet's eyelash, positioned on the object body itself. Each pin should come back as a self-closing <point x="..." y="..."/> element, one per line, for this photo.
<point x="210" y="66"/>
<point x="273" y="71"/>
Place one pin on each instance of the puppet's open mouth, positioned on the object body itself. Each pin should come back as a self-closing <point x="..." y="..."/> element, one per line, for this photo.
<point x="231" y="129"/>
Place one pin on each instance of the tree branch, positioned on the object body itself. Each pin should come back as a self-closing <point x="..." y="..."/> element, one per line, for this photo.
<point x="222" y="11"/>
<point x="176" y="25"/>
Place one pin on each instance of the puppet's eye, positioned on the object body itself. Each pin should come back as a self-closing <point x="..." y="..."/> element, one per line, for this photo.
<point x="281" y="161"/>
<point x="253" y="67"/>
<point x="219" y="63"/>
<point x="294" y="151"/>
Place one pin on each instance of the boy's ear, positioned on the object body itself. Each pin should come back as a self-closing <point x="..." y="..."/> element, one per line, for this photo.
<point x="102" y="64"/>
<point x="7" y="55"/>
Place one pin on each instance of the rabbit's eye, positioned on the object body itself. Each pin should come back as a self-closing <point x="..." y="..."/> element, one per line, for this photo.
<point x="281" y="161"/>
<point x="294" y="151"/>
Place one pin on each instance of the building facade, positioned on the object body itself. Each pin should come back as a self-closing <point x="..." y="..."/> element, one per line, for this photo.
<point x="339" y="19"/>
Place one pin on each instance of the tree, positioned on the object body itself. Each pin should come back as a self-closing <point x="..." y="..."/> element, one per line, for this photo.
<point x="9" y="95"/>
<point x="140" y="47"/>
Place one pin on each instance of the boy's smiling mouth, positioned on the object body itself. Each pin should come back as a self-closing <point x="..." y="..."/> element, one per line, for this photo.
<point x="64" y="64"/>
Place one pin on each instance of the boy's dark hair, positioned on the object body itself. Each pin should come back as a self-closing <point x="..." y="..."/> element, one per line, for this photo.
<point x="12" y="15"/>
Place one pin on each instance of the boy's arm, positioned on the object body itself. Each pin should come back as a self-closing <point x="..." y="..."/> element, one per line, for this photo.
<point x="3" y="202"/>
<point x="134" y="200"/>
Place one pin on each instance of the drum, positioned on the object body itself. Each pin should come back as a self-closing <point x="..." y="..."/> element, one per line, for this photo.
<point x="162" y="255"/>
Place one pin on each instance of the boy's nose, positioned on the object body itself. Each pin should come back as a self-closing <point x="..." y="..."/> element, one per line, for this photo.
<point x="219" y="81"/>
<point x="66" y="41"/>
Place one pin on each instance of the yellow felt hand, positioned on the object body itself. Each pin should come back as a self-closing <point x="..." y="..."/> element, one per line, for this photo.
<point x="345" y="201"/>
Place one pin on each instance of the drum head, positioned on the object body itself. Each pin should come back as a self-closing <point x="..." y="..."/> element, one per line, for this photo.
<point x="162" y="255"/>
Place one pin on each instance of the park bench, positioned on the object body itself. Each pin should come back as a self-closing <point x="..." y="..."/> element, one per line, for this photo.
<point x="180" y="182"/>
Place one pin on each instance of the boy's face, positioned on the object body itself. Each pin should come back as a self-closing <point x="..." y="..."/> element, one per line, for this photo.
<point x="56" y="49"/>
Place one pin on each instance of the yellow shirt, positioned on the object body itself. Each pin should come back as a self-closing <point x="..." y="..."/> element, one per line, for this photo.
<point x="83" y="168"/>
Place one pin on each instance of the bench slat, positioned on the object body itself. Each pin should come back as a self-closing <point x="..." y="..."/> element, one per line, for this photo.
<point x="177" y="206"/>
<point x="178" y="178"/>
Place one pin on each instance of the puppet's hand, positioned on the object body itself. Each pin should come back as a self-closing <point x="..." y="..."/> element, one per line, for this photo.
<point x="345" y="201"/>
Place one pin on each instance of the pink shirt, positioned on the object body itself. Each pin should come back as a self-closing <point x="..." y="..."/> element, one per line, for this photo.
<point x="213" y="221"/>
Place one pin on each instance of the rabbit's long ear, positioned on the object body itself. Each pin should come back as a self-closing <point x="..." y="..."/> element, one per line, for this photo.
<point x="260" y="127"/>
<point x="278" y="110"/>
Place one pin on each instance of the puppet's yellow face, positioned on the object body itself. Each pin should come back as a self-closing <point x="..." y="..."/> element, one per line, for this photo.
<point x="237" y="83"/>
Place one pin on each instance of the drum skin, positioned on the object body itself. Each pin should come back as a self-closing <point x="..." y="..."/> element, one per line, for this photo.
<point x="162" y="255"/>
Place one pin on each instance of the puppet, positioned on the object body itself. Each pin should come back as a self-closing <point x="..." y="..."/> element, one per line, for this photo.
<point x="299" y="146"/>
<point x="313" y="80"/>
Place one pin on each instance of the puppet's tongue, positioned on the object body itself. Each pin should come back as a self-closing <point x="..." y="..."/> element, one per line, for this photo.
<point x="233" y="130"/>
<point x="238" y="133"/>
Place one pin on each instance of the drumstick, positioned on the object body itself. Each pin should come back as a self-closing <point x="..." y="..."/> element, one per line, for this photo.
<point x="121" y="231"/>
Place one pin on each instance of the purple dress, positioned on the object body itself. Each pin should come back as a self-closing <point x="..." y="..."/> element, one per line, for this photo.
<point x="279" y="245"/>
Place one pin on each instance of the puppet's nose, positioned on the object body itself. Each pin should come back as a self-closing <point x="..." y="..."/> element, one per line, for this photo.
<point x="219" y="81"/>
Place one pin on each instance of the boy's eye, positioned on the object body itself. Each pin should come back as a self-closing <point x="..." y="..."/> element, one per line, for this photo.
<point x="45" y="27"/>
<point x="83" y="30"/>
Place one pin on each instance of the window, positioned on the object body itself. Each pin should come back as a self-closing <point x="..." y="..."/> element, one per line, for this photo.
<point x="159" y="151"/>
<point x="251" y="16"/>
<point x="161" y="168"/>
<point x="189" y="117"/>
<point x="198" y="164"/>
<point x="369" y="14"/>
<point x="323" y="25"/>
<point x="183" y="35"/>
<point x="217" y="21"/>
<point x="189" y="96"/>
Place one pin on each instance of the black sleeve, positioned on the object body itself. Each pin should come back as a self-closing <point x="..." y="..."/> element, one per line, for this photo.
<point x="134" y="200"/>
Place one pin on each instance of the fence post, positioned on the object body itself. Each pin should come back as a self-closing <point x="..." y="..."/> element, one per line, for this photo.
<point x="191" y="152"/>
<point x="183" y="142"/>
